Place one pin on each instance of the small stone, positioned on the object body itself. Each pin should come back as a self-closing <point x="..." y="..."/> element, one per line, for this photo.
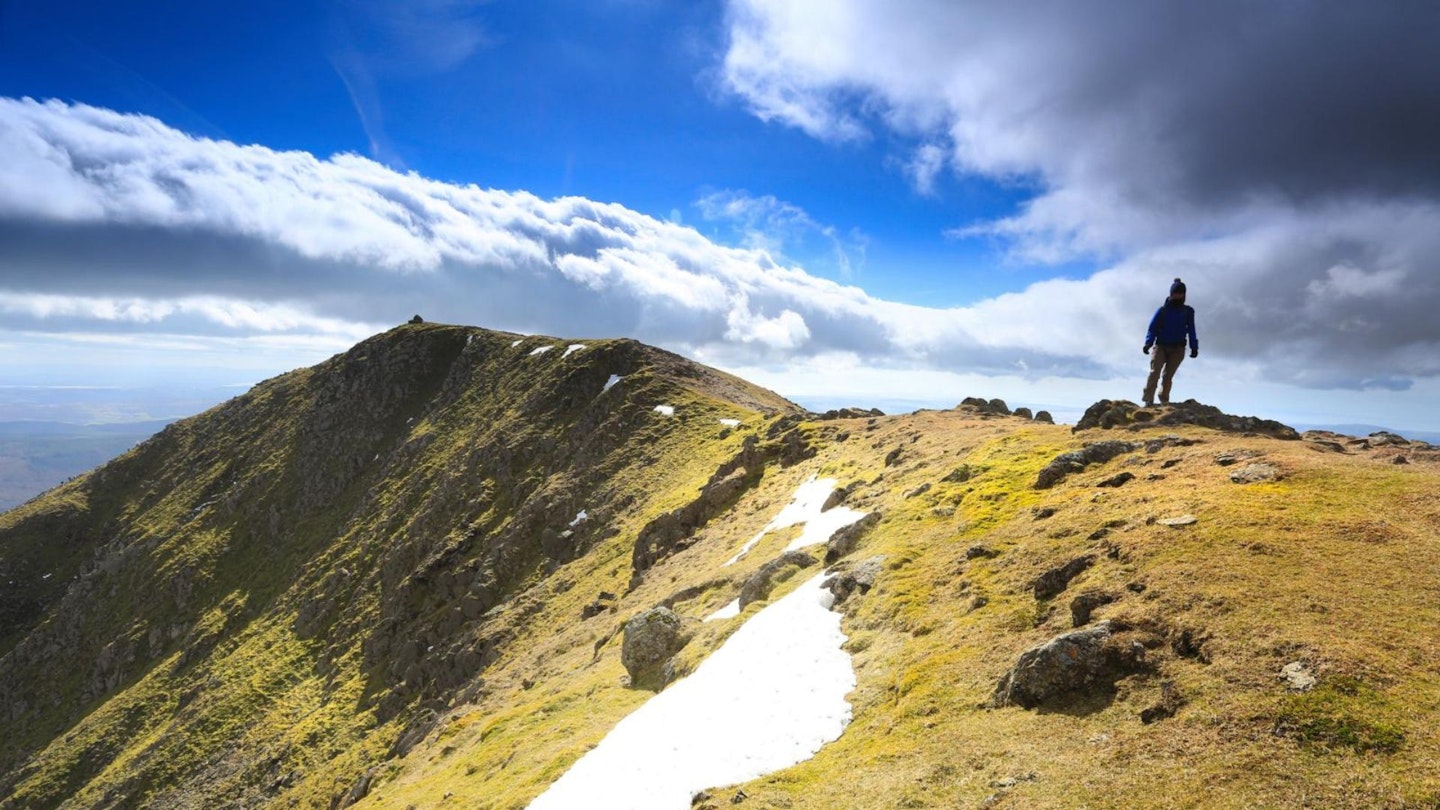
<point x="1177" y="522"/>
<point x="1255" y="473"/>
<point x="1225" y="459"/>
<point x="1117" y="480"/>
<point x="1400" y="460"/>
<point x="1297" y="677"/>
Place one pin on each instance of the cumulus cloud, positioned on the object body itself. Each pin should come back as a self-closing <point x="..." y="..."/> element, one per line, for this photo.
<point x="139" y="228"/>
<point x="1278" y="156"/>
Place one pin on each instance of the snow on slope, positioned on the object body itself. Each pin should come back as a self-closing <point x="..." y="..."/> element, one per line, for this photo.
<point x="769" y="698"/>
<point x="806" y="508"/>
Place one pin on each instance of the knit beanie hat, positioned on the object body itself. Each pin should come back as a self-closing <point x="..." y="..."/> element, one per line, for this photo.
<point x="1177" y="287"/>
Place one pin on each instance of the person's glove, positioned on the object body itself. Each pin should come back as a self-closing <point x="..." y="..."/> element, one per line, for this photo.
<point x="1145" y="350"/>
<point x="1194" y="352"/>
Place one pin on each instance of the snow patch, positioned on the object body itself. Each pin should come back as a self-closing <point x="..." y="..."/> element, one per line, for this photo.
<point x="579" y="516"/>
<point x="610" y="383"/>
<point x="771" y="697"/>
<point x="574" y="347"/>
<point x="515" y="343"/>
<point x="540" y="350"/>
<point x="665" y="410"/>
<point x="730" y="611"/>
<point x="805" y="507"/>
<point x="730" y="422"/>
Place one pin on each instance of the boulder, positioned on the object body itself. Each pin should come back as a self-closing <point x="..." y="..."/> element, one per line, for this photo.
<point x="1077" y="663"/>
<point x="651" y="640"/>
<point x="859" y="579"/>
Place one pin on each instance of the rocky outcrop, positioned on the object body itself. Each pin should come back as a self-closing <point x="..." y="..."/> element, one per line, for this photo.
<point x="1054" y="581"/>
<point x="1122" y="413"/>
<point x="1084" y="605"/>
<point x="844" y="541"/>
<point x="1077" y="460"/>
<point x="1077" y="663"/>
<point x="856" y="580"/>
<point x="850" y="413"/>
<point x="759" y="584"/>
<point x="673" y="531"/>
<point x="651" y="640"/>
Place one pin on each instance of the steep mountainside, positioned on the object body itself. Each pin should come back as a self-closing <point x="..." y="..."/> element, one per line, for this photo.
<point x="403" y="578"/>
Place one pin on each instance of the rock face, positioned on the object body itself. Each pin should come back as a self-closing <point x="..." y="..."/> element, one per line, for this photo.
<point x="1077" y="460"/>
<point x="1077" y="663"/>
<point x="1120" y="413"/>
<point x="651" y="640"/>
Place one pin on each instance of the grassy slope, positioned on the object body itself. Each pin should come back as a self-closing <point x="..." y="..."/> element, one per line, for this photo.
<point x="1332" y="565"/>
<point x="269" y="566"/>
<point x="275" y="645"/>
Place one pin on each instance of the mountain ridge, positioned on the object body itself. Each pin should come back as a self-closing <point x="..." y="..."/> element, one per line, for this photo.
<point x="406" y="572"/>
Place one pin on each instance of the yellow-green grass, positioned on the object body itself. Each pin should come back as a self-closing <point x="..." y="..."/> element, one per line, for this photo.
<point x="1330" y="566"/>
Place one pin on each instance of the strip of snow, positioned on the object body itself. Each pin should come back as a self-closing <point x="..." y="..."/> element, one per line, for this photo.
<point x="730" y="611"/>
<point x="579" y="516"/>
<point x="540" y="350"/>
<point x="573" y="347"/>
<point x="771" y="697"/>
<point x="665" y="410"/>
<point x="610" y="383"/>
<point x="805" y="507"/>
<point x="730" y="422"/>
<point x="515" y="343"/>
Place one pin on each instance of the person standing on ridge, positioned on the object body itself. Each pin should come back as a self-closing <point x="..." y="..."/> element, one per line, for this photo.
<point x="1172" y="324"/>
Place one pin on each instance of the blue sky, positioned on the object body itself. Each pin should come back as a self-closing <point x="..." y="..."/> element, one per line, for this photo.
<point x="888" y="203"/>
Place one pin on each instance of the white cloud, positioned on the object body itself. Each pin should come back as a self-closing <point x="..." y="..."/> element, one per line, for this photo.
<point x="1284" y="173"/>
<point x="139" y="227"/>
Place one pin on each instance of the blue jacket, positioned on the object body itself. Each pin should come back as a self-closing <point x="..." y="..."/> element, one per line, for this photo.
<point x="1171" y="324"/>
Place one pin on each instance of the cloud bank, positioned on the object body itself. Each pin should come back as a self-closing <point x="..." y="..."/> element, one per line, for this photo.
<point x="113" y="223"/>
<point x="1279" y="156"/>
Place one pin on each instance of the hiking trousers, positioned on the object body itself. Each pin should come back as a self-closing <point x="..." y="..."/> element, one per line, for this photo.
<point x="1163" y="362"/>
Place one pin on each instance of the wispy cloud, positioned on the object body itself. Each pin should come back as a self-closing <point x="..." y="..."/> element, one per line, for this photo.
<point x="369" y="39"/>
<point x="783" y="229"/>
